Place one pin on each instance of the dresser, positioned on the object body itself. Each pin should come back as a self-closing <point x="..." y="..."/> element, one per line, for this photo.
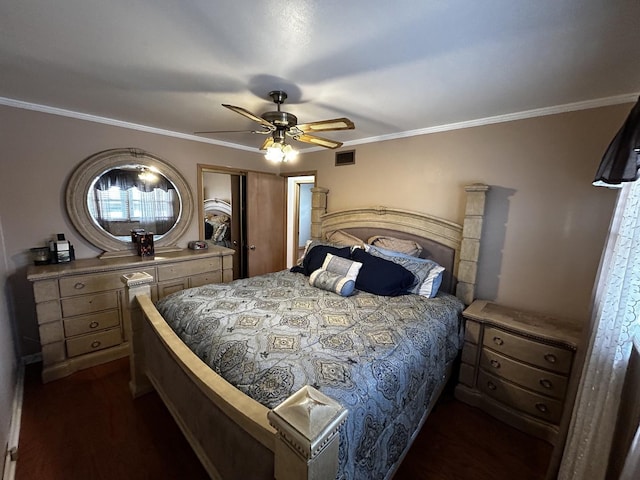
<point x="79" y="305"/>
<point x="517" y="366"/>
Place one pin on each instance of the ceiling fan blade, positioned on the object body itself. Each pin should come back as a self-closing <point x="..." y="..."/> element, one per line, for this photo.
<point x="251" y="116"/>
<point x="323" y="142"/>
<point x="324" y="125"/>
<point x="267" y="143"/>
<point x="264" y="132"/>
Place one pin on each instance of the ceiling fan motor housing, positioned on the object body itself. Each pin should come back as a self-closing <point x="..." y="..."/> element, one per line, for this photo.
<point x="281" y="119"/>
<point x="281" y="124"/>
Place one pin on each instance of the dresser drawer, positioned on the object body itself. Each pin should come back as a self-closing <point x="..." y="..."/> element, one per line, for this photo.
<point x="89" y="303"/>
<point x="93" y="342"/>
<point x="530" y="351"/>
<point x="91" y="323"/>
<point x="536" y="379"/>
<point x="205" y="278"/>
<point x="97" y="282"/>
<point x="526" y="401"/>
<point x="167" y="288"/>
<point x="187" y="269"/>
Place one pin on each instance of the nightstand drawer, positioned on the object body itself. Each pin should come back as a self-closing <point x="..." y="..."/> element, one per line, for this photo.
<point x="91" y="323"/>
<point x="541" y="381"/>
<point x="511" y="395"/>
<point x="89" y="304"/>
<point x="92" y="343"/>
<point x="530" y="351"/>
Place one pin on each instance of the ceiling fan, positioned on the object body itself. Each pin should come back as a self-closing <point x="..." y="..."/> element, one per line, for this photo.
<point x="279" y="125"/>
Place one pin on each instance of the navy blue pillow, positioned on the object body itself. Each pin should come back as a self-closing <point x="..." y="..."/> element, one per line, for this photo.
<point x="380" y="276"/>
<point x="314" y="258"/>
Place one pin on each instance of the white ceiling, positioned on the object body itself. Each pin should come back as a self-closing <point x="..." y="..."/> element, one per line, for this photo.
<point x="393" y="67"/>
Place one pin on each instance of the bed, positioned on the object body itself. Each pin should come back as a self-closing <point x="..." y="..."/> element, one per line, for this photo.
<point x="331" y="420"/>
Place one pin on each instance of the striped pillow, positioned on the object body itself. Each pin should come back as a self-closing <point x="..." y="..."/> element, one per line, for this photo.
<point x="332" y="282"/>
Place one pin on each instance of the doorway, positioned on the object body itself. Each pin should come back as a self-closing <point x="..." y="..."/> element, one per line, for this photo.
<point x="256" y="230"/>
<point x="224" y="201"/>
<point x="298" y="215"/>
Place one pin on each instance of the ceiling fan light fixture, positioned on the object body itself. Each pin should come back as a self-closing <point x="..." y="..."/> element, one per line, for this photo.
<point x="280" y="152"/>
<point x="279" y="124"/>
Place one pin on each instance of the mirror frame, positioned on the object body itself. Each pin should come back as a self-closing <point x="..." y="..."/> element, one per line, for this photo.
<point x="94" y="166"/>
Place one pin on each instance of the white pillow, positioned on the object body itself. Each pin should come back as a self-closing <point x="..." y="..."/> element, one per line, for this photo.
<point x="342" y="266"/>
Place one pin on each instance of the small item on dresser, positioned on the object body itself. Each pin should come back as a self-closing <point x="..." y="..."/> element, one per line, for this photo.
<point x="145" y="245"/>
<point x="198" y="245"/>
<point x="60" y="250"/>
<point x="40" y="255"/>
<point x="135" y="233"/>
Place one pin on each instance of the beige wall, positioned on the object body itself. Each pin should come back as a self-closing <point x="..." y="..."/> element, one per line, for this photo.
<point x="39" y="152"/>
<point x="544" y="231"/>
<point x="546" y="224"/>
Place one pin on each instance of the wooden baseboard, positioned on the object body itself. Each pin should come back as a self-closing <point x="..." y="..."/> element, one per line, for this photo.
<point x="11" y="453"/>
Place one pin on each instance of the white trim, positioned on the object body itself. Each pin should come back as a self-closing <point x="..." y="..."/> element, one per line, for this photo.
<point x="119" y="123"/>
<point x="11" y="455"/>
<point x="509" y="117"/>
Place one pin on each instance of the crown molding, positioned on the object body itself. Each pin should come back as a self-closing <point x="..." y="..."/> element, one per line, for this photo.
<point x="119" y="123"/>
<point x="510" y="117"/>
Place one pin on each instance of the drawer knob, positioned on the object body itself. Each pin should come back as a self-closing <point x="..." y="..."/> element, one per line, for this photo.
<point x="550" y="357"/>
<point x="498" y="341"/>
<point x="546" y="383"/>
<point x="495" y="363"/>
<point x="491" y="385"/>
<point x="94" y="324"/>
<point x="79" y="286"/>
<point x="542" y="408"/>
<point x="95" y="344"/>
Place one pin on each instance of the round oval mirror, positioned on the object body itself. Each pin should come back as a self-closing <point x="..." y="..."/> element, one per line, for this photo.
<point x="120" y="191"/>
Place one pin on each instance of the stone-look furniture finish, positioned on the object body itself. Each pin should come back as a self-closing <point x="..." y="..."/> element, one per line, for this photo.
<point x="233" y="435"/>
<point x="79" y="304"/>
<point x="518" y="366"/>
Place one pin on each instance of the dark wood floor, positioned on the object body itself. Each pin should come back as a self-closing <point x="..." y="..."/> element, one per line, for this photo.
<point x="87" y="426"/>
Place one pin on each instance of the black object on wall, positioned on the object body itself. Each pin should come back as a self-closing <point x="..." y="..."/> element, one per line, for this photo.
<point x="621" y="160"/>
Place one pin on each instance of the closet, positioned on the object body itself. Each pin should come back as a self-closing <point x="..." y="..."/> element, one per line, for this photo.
<point x="256" y="229"/>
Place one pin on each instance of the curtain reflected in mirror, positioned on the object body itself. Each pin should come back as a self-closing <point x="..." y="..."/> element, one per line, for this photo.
<point x="133" y="198"/>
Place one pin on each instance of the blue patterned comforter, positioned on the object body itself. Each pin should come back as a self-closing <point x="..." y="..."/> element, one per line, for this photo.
<point x="382" y="358"/>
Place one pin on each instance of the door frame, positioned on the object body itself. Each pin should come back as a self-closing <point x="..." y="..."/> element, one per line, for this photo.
<point x="294" y="179"/>
<point x="240" y="257"/>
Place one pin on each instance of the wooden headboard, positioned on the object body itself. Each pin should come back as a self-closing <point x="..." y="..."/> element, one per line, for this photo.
<point x="454" y="246"/>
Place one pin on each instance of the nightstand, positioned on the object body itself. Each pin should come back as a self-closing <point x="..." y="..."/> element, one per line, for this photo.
<point x="517" y="366"/>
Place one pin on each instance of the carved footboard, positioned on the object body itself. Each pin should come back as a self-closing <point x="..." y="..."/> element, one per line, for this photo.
<point x="233" y="435"/>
